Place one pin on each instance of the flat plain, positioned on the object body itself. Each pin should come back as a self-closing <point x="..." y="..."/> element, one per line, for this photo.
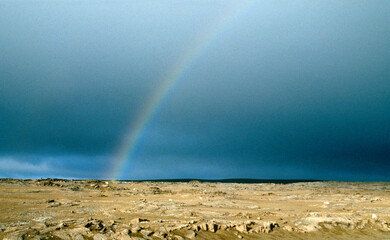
<point x="94" y="209"/>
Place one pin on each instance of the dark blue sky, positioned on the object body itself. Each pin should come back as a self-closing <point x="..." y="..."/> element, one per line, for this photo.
<point x="288" y="89"/>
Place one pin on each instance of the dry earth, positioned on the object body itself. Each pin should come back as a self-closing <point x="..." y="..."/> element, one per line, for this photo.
<point x="91" y="209"/>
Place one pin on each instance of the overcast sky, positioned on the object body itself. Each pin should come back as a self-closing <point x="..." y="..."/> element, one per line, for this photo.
<point x="288" y="89"/>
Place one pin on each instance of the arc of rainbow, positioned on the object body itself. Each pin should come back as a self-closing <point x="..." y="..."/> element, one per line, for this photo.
<point x="135" y="129"/>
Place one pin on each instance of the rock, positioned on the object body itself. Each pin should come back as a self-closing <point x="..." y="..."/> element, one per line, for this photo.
<point x="94" y="225"/>
<point x="36" y="238"/>
<point x="212" y="227"/>
<point x="224" y="227"/>
<point x="190" y="234"/>
<point x="258" y="229"/>
<point x="111" y="223"/>
<point x="160" y="235"/>
<point x="242" y="228"/>
<point x="328" y="226"/>
<point x="177" y="237"/>
<point x="78" y="237"/>
<point x="135" y="229"/>
<point x="62" y="225"/>
<point x="48" y="230"/>
<point x="56" y="204"/>
<point x="146" y="232"/>
<point x="42" y="219"/>
<point x="135" y="220"/>
<point x="138" y="220"/>
<point x="122" y="236"/>
<point x="288" y="228"/>
<point x="15" y="236"/>
<point x="180" y="226"/>
<point x="204" y="226"/>
<point x="78" y="232"/>
<point x="385" y="226"/>
<point x="269" y="226"/>
<point x="249" y="222"/>
<point x="311" y="224"/>
<point x="62" y="235"/>
<point x="196" y="228"/>
<point x="99" y="237"/>
<point x="10" y="229"/>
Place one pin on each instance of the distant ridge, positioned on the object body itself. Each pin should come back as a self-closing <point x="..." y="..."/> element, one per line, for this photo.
<point x="229" y="180"/>
<point x="183" y="180"/>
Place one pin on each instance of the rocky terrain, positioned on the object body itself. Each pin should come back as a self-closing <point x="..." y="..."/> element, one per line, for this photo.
<point x="98" y="210"/>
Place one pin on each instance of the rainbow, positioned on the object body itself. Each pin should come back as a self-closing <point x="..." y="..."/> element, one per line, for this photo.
<point x="135" y="128"/>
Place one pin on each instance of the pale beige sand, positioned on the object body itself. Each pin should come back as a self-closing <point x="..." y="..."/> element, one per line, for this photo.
<point x="111" y="210"/>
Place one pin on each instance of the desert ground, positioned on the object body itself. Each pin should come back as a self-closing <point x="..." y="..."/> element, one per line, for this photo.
<point x="98" y="210"/>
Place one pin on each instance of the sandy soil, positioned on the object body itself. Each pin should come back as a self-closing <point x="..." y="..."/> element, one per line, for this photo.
<point x="91" y="209"/>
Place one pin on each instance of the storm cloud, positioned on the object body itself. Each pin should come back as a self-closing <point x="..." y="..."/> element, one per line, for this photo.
<point x="290" y="89"/>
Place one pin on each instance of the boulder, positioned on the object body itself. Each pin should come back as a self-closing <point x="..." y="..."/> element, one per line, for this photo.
<point x="138" y="220"/>
<point x="223" y="227"/>
<point x="160" y="235"/>
<point x="212" y="227"/>
<point x="78" y="237"/>
<point x="204" y="226"/>
<point x="15" y="235"/>
<point x="269" y="226"/>
<point x="62" y="234"/>
<point x="196" y="228"/>
<point x="135" y="229"/>
<point x="177" y="237"/>
<point x="146" y="232"/>
<point x="94" y="225"/>
<point x="122" y="236"/>
<point x="190" y="234"/>
<point x="99" y="237"/>
<point x="288" y="228"/>
<point x="242" y="228"/>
